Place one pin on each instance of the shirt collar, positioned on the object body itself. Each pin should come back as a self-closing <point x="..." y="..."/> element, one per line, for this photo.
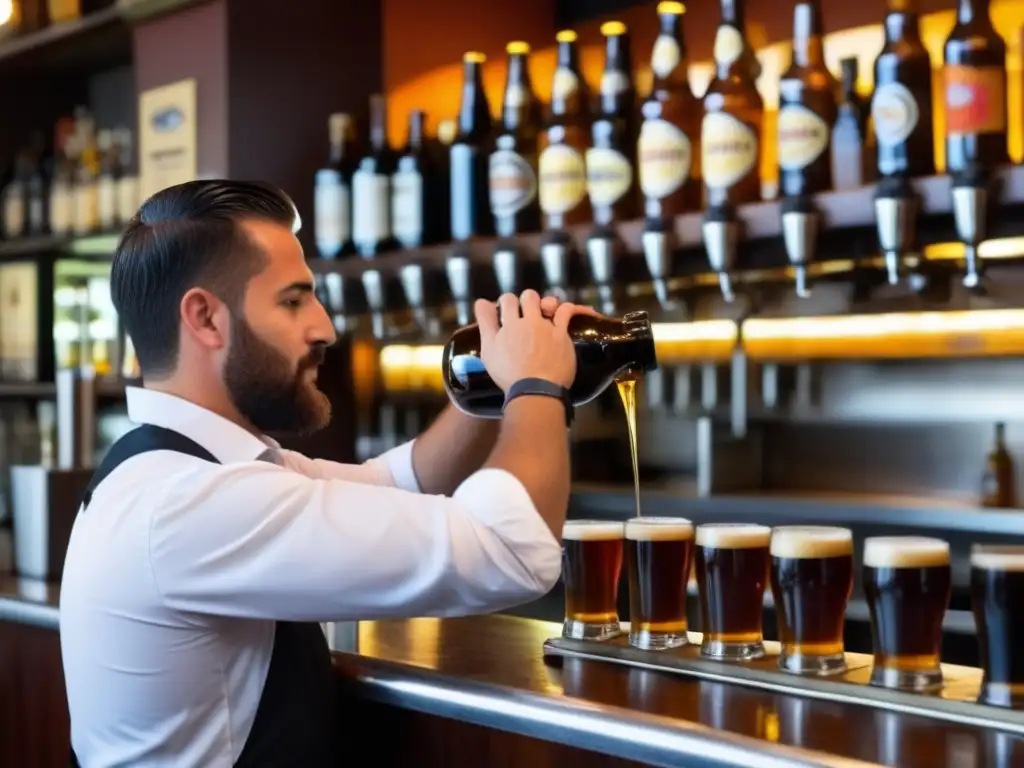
<point x="227" y="441"/>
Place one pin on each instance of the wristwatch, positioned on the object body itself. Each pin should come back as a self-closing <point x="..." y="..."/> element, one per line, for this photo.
<point x="542" y="387"/>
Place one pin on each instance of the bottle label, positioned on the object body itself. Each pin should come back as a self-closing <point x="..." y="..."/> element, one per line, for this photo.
<point x="370" y="208"/>
<point x="563" y="179"/>
<point x="86" y="208"/>
<point x="564" y="83"/>
<point x="107" y="194"/>
<point x="665" y="56"/>
<point x="894" y="113"/>
<point x="407" y="207"/>
<point x="464" y="178"/>
<point x="513" y="184"/>
<point x="36" y="214"/>
<point x="60" y="209"/>
<point x="14" y="211"/>
<point x="614" y="82"/>
<point x="803" y="137"/>
<point x="728" y="45"/>
<point x="331" y="215"/>
<point x="608" y="176"/>
<point x="728" y="150"/>
<point x="515" y="95"/>
<point x="975" y="99"/>
<point x="665" y="156"/>
<point x="127" y="198"/>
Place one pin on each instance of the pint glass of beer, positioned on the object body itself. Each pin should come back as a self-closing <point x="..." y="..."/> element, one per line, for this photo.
<point x="812" y="578"/>
<point x="732" y="571"/>
<point x="907" y="581"/>
<point x="658" y="552"/>
<point x="997" y="599"/>
<point x="591" y="566"/>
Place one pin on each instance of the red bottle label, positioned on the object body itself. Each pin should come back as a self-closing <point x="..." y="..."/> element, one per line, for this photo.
<point x="975" y="99"/>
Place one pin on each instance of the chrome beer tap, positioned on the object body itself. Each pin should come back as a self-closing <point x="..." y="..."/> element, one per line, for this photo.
<point x="801" y="222"/>
<point x="376" y="299"/>
<point x="459" y="272"/>
<point x="970" y="214"/>
<point x="721" y="234"/>
<point x="896" y="207"/>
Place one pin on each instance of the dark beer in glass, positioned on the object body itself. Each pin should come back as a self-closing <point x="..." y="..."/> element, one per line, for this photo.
<point x="591" y="566"/>
<point x="812" y="578"/>
<point x="658" y="553"/>
<point x="732" y="571"/>
<point x="997" y="599"/>
<point x="907" y="582"/>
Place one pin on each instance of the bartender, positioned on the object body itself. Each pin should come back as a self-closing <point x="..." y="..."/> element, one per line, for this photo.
<point x="204" y="554"/>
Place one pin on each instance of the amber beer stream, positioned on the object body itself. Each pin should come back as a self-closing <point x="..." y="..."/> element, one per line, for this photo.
<point x="607" y="349"/>
<point x="627" y="392"/>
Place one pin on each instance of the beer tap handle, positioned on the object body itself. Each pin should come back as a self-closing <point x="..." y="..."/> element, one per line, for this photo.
<point x="601" y="253"/>
<point x="896" y="206"/>
<point x="721" y="232"/>
<point x="800" y="225"/>
<point x="506" y="269"/>
<point x="554" y="257"/>
<point x="970" y="214"/>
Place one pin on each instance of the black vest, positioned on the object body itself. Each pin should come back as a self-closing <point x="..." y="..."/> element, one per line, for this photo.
<point x="294" y="722"/>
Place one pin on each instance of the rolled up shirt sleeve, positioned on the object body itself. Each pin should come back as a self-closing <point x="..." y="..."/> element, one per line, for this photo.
<point x="256" y="540"/>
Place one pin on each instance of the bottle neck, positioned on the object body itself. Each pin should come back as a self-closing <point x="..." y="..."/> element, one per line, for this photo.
<point x="519" y="96"/>
<point x="972" y="10"/>
<point x="733" y="13"/>
<point x="378" y="123"/>
<point x="568" y="56"/>
<point x="1000" y="435"/>
<point x="618" y="93"/>
<point x="474" y="114"/>
<point x="902" y="25"/>
<point x="672" y="28"/>
<point x="849" y="81"/>
<point x="416" y="120"/>
<point x="808" y="48"/>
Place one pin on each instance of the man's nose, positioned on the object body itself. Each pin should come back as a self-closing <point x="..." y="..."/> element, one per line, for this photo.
<point x="323" y="330"/>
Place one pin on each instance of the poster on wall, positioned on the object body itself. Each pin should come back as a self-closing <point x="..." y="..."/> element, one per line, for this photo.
<point x="167" y="136"/>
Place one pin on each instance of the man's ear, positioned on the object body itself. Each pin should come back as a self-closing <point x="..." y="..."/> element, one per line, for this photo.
<point x="204" y="318"/>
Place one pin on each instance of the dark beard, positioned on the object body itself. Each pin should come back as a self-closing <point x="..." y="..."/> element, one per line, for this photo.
<point x="268" y="391"/>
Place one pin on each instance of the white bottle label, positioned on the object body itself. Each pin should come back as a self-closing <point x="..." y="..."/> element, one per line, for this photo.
<point x="564" y="83"/>
<point x="86" y="208"/>
<point x="371" y="206"/>
<point x="665" y="56"/>
<point x="331" y="216"/>
<point x="407" y="207"/>
<point x="894" y="113"/>
<point x="106" y="192"/>
<point x="608" y="176"/>
<point x="613" y="82"/>
<point x="14" y="211"/>
<point x="803" y="137"/>
<point x="61" y="204"/>
<point x="516" y="95"/>
<point x="512" y="182"/>
<point x="728" y="45"/>
<point x="728" y="150"/>
<point x="127" y="198"/>
<point x="664" y="158"/>
<point x="563" y="179"/>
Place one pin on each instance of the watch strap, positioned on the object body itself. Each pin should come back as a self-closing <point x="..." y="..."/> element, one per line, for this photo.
<point x="545" y="388"/>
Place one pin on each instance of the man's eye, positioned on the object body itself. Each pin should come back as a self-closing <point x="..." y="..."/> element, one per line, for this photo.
<point x="293" y="303"/>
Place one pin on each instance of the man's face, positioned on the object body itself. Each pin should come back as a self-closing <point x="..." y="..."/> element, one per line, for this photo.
<point x="278" y="340"/>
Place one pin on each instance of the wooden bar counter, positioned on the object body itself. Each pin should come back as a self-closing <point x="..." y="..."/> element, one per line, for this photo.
<point x="478" y="692"/>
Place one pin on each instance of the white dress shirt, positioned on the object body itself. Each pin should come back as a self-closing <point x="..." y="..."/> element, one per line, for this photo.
<point x="178" y="568"/>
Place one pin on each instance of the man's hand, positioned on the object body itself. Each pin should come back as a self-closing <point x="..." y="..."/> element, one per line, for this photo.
<point x="525" y="343"/>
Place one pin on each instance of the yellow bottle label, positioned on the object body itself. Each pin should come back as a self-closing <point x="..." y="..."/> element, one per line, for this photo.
<point x="608" y="176"/>
<point x="564" y="84"/>
<point x="664" y="158"/>
<point x="665" y="56"/>
<point x="614" y="82"/>
<point x="516" y="95"/>
<point x="803" y="136"/>
<point x="563" y="179"/>
<point x="728" y="45"/>
<point x="894" y="113"/>
<point x="728" y="150"/>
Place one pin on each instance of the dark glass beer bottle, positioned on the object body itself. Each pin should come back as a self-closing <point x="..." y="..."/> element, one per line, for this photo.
<point x="416" y="194"/>
<point x="901" y="108"/>
<point x="733" y="118"/>
<point x="807" y="109"/>
<point x="997" y="481"/>
<point x="563" y="171"/>
<point x="668" y="165"/>
<point x="371" y="187"/>
<point x="853" y="152"/>
<point x="470" y="212"/>
<point x="332" y="195"/>
<point x="606" y="349"/>
<point x="513" y="163"/>
<point x="974" y="79"/>
<point x="611" y="183"/>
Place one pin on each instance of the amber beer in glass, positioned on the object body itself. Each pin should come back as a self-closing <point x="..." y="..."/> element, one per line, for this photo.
<point x="658" y="553"/>
<point x="907" y="582"/>
<point x="812" y="578"/>
<point x="997" y="599"/>
<point x="591" y="566"/>
<point x="732" y="571"/>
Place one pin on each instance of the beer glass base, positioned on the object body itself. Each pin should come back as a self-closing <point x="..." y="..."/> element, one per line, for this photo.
<point x="716" y="649"/>
<point x="646" y="640"/>
<point x="579" y="630"/>
<point x="1009" y="695"/>
<point x="906" y="679"/>
<point x="803" y="664"/>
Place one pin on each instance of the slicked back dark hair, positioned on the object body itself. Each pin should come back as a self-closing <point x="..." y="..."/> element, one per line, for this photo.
<point x="183" y="237"/>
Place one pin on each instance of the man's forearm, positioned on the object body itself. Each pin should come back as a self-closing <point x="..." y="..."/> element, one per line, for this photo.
<point x="451" y="449"/>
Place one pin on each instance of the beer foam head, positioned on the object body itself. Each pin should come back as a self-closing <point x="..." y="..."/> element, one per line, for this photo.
<point x="993" y="557"/>
<point x="733" y="535"/>
<point x="592" y="530"/>
<point x="905" y="552"/>
<point x="659" y="529"/>
<point x="807" y="541"/>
